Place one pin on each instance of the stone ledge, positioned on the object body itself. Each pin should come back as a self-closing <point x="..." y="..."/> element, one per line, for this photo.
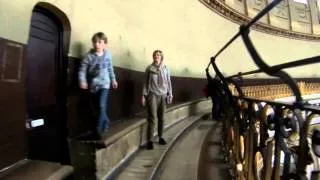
<point x="122" y="141"/>
<point x="29" y="169"/>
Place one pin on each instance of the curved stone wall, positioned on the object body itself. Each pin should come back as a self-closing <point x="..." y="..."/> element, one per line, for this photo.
<point x="187" y="31"/>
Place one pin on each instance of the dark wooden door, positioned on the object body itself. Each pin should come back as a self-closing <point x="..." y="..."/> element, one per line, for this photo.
<point x="44" y="89"/>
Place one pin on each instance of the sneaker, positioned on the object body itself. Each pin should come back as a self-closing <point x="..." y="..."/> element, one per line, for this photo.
<point x="150" y="145"/>
<point x="99" y="145"/>
<point x="104" y="134"/>
<point x="162" y="141"/>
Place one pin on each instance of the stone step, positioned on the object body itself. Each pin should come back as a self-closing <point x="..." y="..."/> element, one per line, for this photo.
<point x="212" y="163"/>
<point x="37" y="170"/>
<point x="181" y="162"/>
<point x="143" y="165"/>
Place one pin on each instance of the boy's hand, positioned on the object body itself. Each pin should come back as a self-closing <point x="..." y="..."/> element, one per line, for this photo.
<point x="84" y="86"/>
<point x="114" y="84"/>
<point x="169" y="99"/>
<point x="143" y="101"/>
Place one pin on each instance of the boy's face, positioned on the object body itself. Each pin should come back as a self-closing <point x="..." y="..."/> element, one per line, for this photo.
<point x="157" y="58"/>
<point x="99" y="45"/>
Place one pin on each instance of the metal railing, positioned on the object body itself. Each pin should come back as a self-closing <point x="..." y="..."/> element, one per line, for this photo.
<point x="265" y="139"/>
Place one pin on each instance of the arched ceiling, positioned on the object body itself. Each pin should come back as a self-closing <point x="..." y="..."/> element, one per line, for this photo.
<point x="296" y="19"/>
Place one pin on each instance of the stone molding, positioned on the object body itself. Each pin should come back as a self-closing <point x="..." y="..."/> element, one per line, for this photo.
<point x="224" y="10"/>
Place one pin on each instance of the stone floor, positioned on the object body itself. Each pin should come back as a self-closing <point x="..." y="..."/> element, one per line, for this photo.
<point x="212" y="164"/>
<point x="38" y="170"/>
<point x="182" y="161"/>
<point x="193" y="152"/>
<point x="145" y="162"/>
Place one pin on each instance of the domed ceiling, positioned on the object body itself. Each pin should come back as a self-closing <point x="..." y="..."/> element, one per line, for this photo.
<point x="298" y="19"/>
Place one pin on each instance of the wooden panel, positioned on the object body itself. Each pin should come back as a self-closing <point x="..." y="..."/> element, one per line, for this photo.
<point x="45" y="88"/>
<point x="11" y="62"/>
<point x="12" y="104"/>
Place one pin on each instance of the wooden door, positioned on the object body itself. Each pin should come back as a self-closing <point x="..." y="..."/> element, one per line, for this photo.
<point x="45" y="99"/>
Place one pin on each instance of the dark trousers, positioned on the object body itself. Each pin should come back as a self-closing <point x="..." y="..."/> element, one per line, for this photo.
<point x="156" y="106"/>
<point x="216" y="107"/>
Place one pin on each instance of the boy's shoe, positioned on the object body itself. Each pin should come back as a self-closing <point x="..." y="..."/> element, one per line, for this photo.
<point x="150" y="145"/>
<point x="104" y="133"/>
<point x="162" y="141"/>
<point x="99" y="145"/>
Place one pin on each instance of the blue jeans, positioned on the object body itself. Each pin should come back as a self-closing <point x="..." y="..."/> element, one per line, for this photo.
<point x="100" y="99"/>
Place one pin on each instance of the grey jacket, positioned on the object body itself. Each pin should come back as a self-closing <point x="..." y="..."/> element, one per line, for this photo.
<point x="97" y="71"/>
<point x="152" y="84"/>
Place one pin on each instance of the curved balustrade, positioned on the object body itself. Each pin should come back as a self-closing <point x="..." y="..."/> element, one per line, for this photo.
<point x="271" y="140"/>
<point x="272" y="92"/>
<point x="264" y="139"/>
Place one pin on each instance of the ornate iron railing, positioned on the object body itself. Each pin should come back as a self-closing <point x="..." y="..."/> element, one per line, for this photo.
<point x="264" y="139"/>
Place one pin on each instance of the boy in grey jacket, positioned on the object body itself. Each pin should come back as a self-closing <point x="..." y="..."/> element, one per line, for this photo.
<point x="96" y="73"/>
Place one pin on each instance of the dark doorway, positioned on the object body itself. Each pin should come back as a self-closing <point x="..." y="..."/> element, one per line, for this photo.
<point x="46" y="89"/>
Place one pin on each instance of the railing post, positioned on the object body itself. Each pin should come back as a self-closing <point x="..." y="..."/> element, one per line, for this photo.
<point x="277" y="150"/>
<point x="303" y="146"/>
<point x="271" y="147"/>
<point x="250" y="141"/>
<point x="302" y="85"/>
<point x="268" y="162"/>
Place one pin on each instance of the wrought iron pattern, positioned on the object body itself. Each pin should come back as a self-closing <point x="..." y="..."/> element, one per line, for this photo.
<point x="264" y="139"/>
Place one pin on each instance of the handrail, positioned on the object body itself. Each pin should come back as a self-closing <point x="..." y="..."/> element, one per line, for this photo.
<point x="266" y="68"/>
<point x="247" y="26"/>
<point x="248" y="121"/>
<point x="306" y="61"/>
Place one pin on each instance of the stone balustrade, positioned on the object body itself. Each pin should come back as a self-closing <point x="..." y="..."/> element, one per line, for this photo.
<point x="271" y="92"/>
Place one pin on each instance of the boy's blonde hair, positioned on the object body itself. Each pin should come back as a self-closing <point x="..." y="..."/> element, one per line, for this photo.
<point x="158" y="51"/>
<point x="99" y="36"/>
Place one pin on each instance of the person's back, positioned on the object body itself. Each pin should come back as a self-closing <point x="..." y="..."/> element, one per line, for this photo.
<point x="216" y="92"/>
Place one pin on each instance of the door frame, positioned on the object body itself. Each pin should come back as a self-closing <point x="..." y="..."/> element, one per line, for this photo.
<point x="61" y="70"/>
<point x="65" y="30"/>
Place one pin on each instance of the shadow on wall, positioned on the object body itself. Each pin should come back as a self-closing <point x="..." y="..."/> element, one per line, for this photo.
<point x="187" y="88"/>
<point x="125" y="101"/>
<point x="73" y="67"/>
<point x="183" y="95"/>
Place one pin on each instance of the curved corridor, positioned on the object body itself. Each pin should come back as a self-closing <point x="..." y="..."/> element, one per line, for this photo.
<point x="182" y="161"/>
<point x="193" y="152"/>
